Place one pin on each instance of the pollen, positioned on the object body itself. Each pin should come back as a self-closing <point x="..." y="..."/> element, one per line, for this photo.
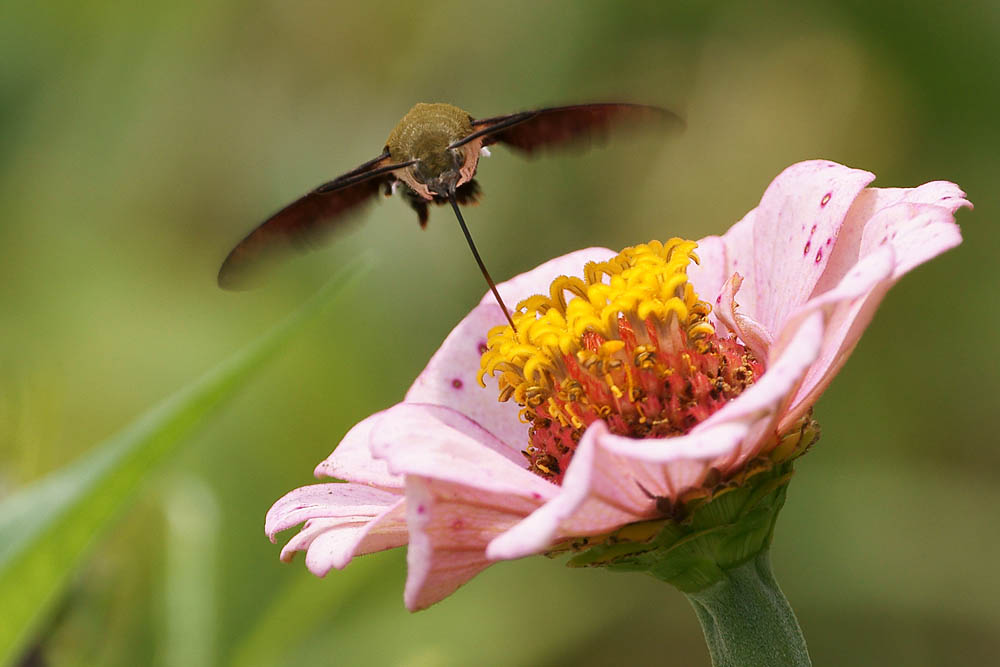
<point x="630" y="344"/>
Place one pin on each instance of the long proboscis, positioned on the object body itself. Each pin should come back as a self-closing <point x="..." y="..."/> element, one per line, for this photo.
<point x="479" y="260"/>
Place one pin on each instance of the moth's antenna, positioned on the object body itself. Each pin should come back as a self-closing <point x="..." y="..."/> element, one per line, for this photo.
<point x="479" y="260"/>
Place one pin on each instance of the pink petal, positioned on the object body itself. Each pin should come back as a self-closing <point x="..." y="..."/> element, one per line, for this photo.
<point x="896" y="239"/>
<point x="603" y="486"/>
<point x="352" y="461"/>
<point x="451" y="378"/>
<point x="450" y="526"/>
<point x="710" y="274"/>
<point x="916" y="232"/>
<point x="603" y="489"/>
<point x="760" y="407"/>
<point x="750" y="331"/>
<point x="848" y="251"/>
<point x="335" y="548"/>
<point x="346" y="501"/>
<point x="437" y="442"/>
<point x="342" y="521"/>
<point x="796" y="223"/>
<point x="739" y="256"/>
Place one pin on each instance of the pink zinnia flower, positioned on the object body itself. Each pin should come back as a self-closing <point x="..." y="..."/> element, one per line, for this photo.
<point x="792" y="286"/>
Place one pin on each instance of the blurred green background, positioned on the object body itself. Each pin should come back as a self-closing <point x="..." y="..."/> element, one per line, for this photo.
<point x="139" y="142"/>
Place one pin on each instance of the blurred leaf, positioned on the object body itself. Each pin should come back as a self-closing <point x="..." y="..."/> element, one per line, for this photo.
<point x="303" y="606"/>
<point x="47" y="528"/>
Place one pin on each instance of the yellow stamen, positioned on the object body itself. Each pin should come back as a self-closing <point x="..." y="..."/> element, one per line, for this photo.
<point x="646" y="283"/>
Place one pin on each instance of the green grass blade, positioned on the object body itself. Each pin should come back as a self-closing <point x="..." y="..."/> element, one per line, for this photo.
<point x="46" y="529"/>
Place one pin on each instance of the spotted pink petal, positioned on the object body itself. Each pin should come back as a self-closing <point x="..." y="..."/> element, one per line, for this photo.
<point x="843" y="278"/>
<point x="869" y="203"/>
<point x="840" y="305"/>
<point x="896" y="240"/>
<point x="452" y="379"/>
<point x="795" y="226"/>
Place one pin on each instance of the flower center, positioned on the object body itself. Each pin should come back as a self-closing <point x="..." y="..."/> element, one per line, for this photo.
<point x="632" y="346"/>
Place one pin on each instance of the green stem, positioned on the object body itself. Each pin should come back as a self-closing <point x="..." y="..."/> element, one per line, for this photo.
<point x="747" y="621"/>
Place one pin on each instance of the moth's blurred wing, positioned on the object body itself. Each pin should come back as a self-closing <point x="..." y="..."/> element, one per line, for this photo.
<point x="557" y="127"/>
<point x="305" y="223"/>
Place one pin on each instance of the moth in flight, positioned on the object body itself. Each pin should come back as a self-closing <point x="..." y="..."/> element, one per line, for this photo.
<point x="433" y="154"/>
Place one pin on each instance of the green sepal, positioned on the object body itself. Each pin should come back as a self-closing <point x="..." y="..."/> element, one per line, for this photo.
<point x="715" y="535"/>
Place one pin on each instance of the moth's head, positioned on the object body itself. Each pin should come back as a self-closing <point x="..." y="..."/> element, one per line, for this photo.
<point x="440" y="171"/>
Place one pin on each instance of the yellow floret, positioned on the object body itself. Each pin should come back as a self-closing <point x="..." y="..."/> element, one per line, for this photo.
<point x="643" y="284"/>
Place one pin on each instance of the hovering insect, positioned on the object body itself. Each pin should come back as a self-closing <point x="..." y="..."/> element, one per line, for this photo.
<point x="433" y="152"/>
